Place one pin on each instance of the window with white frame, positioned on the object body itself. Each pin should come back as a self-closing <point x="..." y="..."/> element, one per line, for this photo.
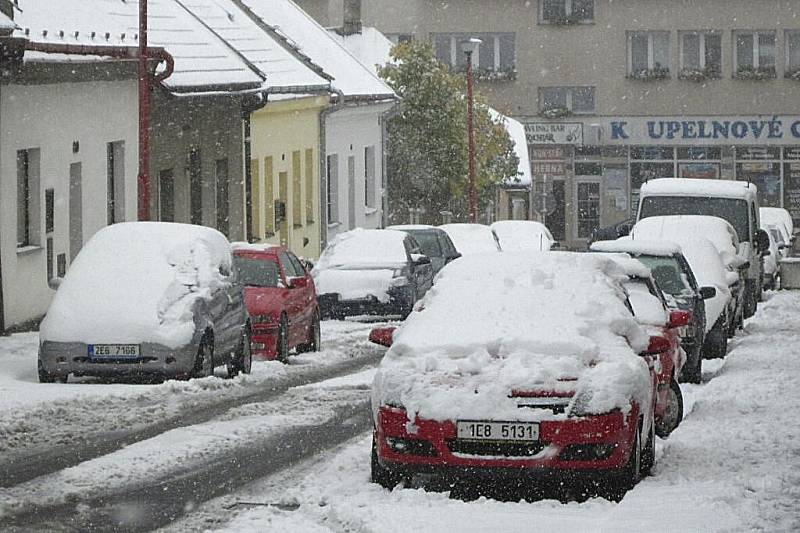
<point x="495" y="58"/>
<point x="563" y="101"/>
<point x="793" y="54"/>
<point x="648" y="54"/>
<point x="754" y="54"/>
<point x="701" y="54"/>
<point x="566" y="11"/>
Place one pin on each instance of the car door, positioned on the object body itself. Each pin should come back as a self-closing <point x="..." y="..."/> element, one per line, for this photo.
<point x="294" y="300"/>
<point x="231" y="296"/>
<point x="307" y="293"/>
<point x="422" y="274"/>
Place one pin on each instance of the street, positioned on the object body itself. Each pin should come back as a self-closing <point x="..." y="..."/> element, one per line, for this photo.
<point x="287" y="449"/>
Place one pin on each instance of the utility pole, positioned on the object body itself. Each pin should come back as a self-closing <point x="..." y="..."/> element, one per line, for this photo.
<point x="469" y="47"/>
<point x="144" y="118"/>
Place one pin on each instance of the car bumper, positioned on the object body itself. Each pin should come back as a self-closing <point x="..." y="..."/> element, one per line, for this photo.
<point x="64" y="358"/>
<point x="264" y="342"/>
<point x="597" y="444"/>
<point x="400" y="302"/>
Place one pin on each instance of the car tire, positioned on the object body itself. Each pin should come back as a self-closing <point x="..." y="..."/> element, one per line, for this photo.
<point x="649" y="451"/>
<point x="716" y="343"/>
<point x="47" y="377"/>
<point x="314" y="336"/>
<point x="383" y="476"/>
<point x="204" y="360"/>
<point x="282" y="344"/>
<point x="693" y="369"/>
<point x="630" y="474"/>
<point x="673" y="413"/>
<point x="243" y="362"/>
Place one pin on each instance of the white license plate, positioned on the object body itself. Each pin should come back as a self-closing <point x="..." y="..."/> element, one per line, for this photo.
<point x="481" y="430"/>
<point x="111" y="351"/>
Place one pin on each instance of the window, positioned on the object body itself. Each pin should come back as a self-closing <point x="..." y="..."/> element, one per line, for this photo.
<point x="754" y="54"/>
<point x="793" y="54"/>
<point x="195" y="188"/>
<point x="332" y="193"/>
<point x="648" y="55"/>
<point x="49" y="210"/>
<point x="297" y="190"/>
<point x="310" y="196"/>
<point x="256" y="199"/>
<point x="223" y="213"/>
<point x="562" y="101"/>
<point x="289" y="268"/>
<point x="369" y="176"/>
<point x="495" y="59"/>
<point x="588" y="208"/>
<point x="28" y="202"/>
<point x="566" y="11"/>
<point x="701" y="55"/>
<point x="115" y="164"/>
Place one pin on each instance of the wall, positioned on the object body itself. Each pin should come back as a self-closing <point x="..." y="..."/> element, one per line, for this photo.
<point x="277" y="132"/>
<point x="51" y="117"/>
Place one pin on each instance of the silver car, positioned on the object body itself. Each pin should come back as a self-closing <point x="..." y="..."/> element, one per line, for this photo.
<point x="147" y="298"/>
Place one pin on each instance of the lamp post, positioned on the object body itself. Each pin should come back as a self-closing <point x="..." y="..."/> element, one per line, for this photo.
<point x="469" y="47"/>
<point x="144" y="118"/>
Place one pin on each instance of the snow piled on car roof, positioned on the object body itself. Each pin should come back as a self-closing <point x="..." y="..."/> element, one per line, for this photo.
<point x="521" y="235"/>
<point x="137" y="282"/>
<point x="699" y="187"/>
<point x="637" y="247"/>
<point x="364" y="248"/>
<point x="495" y="323"/>
<point x="471" y="238"/>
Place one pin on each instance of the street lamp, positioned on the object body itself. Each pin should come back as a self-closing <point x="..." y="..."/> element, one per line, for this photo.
<point x="469" y="47"/>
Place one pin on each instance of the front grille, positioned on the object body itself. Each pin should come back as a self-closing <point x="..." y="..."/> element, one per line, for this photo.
<point x="502" y="449"/>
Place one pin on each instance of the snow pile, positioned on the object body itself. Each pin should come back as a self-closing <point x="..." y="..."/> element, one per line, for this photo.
<point x="637" y="247"/>
<point x="699" y="187"/>
<point x="539" y="321"/>
<point x="521" y="235"/>
<point x="471" y="238"/>
<point x="137" y="282"/>
<point x="672" y="227"/>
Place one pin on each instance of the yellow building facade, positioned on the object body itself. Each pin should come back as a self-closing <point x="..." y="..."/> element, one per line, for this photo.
<point x="285" y="164"/>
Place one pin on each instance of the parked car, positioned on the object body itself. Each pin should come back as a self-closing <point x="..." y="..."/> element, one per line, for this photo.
<point x="147" y="298"/>
<point x="781" y="219"/>
<point x="281" y="299"/>
<point x="433" y="242"/>
<point x="772" y="257"/>
<point x="734" y="201"/>
<point x="612" y="232"/>
<point x="371" y="272"/>
<point x="572" y="389"/>
<point x="521" y="235"/>
<point x="675" y="277"/>
<point x="472" y="239"/>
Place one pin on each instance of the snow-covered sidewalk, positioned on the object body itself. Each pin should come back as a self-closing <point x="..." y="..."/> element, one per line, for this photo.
<point x="733" y="464"/>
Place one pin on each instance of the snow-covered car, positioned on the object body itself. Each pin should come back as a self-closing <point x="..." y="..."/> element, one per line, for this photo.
<point x="545" y="369"/>
<point x="433" y="242"/>
<point x="472" y="239"/>
<point x="521" y="235"/>
<point x="281" y="299"/>
<point x="780" y="218"/>
<point x="147" y="298"/>
<point x="676" y="279"/>
<point x="371" y="272"/>
<point x="734" y="201"/>
<point x="772" y="258"/>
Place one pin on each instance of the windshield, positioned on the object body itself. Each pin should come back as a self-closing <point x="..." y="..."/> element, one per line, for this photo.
<point x="667" y="273"/>
<point x="428" y="243"/>
<point x="256" y="272"/>
<point x="732" y="210"/>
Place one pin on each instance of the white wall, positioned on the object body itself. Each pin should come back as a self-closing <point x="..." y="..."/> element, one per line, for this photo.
<point x="51" y="117"/>
<point x="347" y="133"/>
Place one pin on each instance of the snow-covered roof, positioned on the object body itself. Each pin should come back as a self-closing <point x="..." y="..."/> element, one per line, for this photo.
<point x="672" y="227"/>
<point x="521" y="235"/>
<point x="471" y="238"/>
<point x="202" y="59"/>
<point x="371" y="47"/>
<point x="350" y="76"/>
<point x="517" y="133"/>
<point x="777" y="216"/>
<point x="637" y="247"/>
<point x="253" y="246"/>
<point x="403" y="227"/>
<point x="363" y="248"/>
<point x="699" y="187"/>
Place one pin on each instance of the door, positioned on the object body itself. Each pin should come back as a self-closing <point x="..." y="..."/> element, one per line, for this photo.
<point x="556" y="219"/>
<point x="75" y="210"/>
<point x="295" y="301"/>
<point x="308" y="295"/>
<point x="588" y="212"/>
<point x="195" y="188"/>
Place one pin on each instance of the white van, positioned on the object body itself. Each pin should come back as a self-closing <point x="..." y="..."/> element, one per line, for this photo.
<point x="733" y="201"/>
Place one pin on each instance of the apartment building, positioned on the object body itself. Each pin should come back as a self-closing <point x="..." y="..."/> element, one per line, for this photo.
<point x="613" y="93"/>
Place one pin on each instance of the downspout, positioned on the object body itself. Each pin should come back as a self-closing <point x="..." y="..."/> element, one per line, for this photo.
<point x="385" y="118"/>
<point x="2" y="305"/>
<point x="323" y="165"/>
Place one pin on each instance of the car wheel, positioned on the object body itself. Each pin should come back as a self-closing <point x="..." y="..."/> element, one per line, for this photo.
<point x="630" y="474"/>
<point x="716" y="344"/>
<point x="649" y="451"/>
<point x="204" y="360"/>
<point x="282" y="345"/>
<point x="314" y="337"/>
<point x="47" y="377"/>
<point x="673" y="413"/>
<point x="244" y="356"/>
<point x="693" y="369"/>
<point x="383" y="476"/>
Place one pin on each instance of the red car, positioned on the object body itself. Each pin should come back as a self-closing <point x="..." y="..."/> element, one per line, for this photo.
<point x="281" y="299"/>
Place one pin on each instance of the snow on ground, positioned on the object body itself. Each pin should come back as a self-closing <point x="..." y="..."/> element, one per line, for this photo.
<point x="732" y="465"/>
<point x="38" y="414"/>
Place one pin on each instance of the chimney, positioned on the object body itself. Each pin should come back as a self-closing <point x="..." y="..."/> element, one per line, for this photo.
<point x="351" y="13"/>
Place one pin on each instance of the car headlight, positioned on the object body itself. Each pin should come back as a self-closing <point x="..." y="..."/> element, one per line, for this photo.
<point x="580" y="403"/>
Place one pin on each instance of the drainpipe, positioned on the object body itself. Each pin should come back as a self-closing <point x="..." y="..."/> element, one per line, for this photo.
<point x="323" y="165"/>
<point x="2" y="305"/>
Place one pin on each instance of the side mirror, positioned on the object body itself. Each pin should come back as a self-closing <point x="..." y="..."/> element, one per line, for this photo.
<point x="657" y="345"/>
<point x="54" y="283"/>
<point x="308" y="265"/>
<point x="678" y="319"/>
<point x="706" y="293"/>
<point x="382" y="336"/>
<point x="762" y="240"/>
<point x="297" y="283"/>
<point x="420" y="259"/>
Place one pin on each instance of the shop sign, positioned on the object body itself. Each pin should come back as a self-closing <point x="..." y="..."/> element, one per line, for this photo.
<point x="548" y="152"/>
<point x="554" y="133"/>
<point x="548" y="168"/>
<point x="678" y="130"/>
